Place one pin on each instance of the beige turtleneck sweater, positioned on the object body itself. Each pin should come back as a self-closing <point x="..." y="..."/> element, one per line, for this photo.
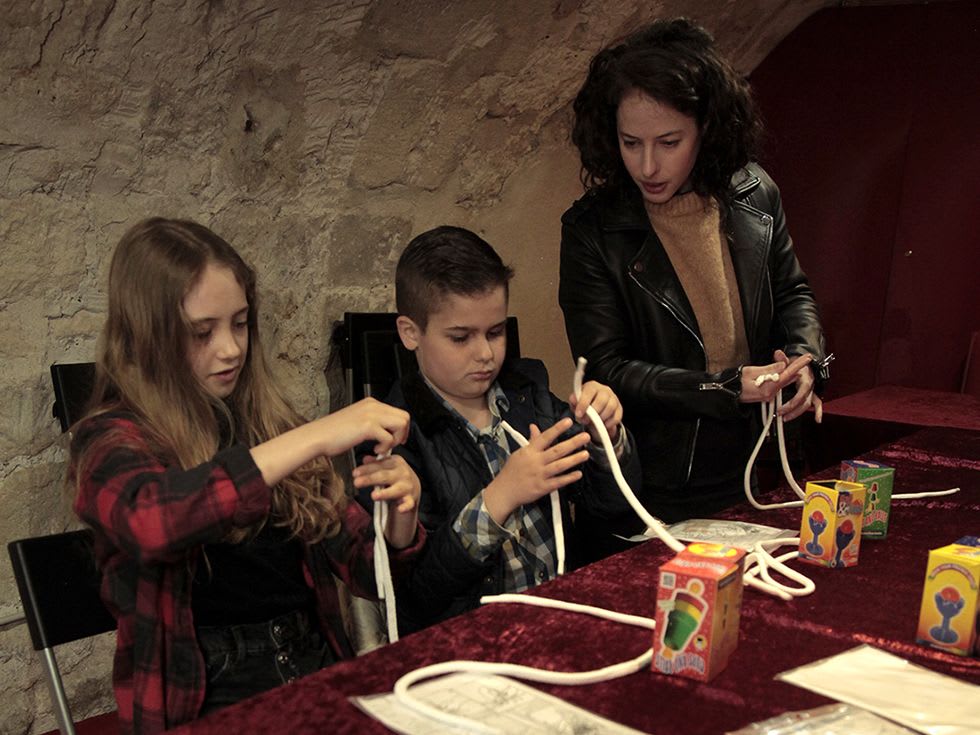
<point x="689" y="226"/>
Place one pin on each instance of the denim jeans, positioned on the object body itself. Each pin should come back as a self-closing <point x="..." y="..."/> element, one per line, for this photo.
<point x="243" y="660"/>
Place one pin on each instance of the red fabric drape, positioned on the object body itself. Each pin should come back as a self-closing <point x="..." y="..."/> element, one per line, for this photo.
<point x="872" y="117"/>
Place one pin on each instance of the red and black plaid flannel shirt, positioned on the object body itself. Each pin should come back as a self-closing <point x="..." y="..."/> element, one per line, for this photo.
<point x="150" y="521"/>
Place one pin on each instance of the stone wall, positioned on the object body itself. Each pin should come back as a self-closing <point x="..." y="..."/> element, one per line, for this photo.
<point x="317" y="136"/>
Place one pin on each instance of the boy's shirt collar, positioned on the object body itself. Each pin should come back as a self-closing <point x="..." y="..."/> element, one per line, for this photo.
<point x="496" y="401"/>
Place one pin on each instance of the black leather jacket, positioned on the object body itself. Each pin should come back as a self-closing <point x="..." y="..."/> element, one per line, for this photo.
<point x="626" y="312"/>
<point x="446" y="580"/>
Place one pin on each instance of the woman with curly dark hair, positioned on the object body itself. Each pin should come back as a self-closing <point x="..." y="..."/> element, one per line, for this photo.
<point x="678" y="278"/>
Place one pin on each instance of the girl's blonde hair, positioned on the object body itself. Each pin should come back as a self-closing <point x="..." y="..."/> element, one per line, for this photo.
<point x="143" y="368"/>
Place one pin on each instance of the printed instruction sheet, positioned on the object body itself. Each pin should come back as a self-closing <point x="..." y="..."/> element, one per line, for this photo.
<point x="505" y="705"/>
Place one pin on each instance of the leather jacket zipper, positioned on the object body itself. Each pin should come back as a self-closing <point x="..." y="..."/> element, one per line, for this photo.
<point x="674" y="314"/>
<point x="704" y="354"/>
<point x="723" y="385"/>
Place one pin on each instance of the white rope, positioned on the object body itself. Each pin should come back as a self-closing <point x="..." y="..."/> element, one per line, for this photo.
<point x="382" y="569"/>
<point x="759" y="557"/>
<point x="781" y="442"/>
<point x="599" y="612"/>
<point x="930" y="494"/>
<point x="556" y="519"/>
<point x="527" y="673"/>
<point x="759" y="561"/>
<point x="652" y="522"/>
<point x="658" y="527"/>
<point x="770" y="412"/>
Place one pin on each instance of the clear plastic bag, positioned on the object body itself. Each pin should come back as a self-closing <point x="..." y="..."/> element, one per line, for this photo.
<point x="831" y="719"/>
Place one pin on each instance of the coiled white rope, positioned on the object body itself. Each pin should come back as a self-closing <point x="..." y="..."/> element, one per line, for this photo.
<point x="382" y="569"/>
<point x="770" y="412"/>
<point x="759" y="561"/>
<point x="528" y="673"/>
<point x="758" y="556"/>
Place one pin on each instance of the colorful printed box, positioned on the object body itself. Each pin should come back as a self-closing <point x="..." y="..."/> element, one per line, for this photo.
<point x="879" y="480"/>
<point x="699" y="603"/>
<point x="950" y="611"/>
<point x="830" y="530"/>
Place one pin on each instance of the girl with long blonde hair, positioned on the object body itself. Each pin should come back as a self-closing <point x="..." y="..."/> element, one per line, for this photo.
<point x="217" y="515"/>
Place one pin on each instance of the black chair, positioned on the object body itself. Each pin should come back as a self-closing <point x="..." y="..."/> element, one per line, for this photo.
<point x="59" y="589"/>
<point x="56" y="575"/>
<point x="73" y="383"/>
<point x="373" y="356"/>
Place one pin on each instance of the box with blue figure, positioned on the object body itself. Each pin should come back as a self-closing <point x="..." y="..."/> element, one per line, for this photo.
<point x="950" y="612"/>
<point x="830" y="532"/>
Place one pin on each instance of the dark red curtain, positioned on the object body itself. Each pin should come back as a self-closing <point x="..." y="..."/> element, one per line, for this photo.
<point x="873" y="134"/>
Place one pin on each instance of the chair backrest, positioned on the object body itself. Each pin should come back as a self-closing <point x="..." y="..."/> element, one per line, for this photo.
<point x="59" y="587"/>
<point x="73" y="383"/>
<point x="373" y="356"/>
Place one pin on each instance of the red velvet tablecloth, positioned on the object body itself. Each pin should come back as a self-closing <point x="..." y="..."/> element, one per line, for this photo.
<point x="876" y="602"/>
<point x="858" y="422"/>
<point x="915" y="406"/>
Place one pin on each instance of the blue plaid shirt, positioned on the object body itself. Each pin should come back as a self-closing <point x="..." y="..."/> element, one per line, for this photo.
<point x="526" y="539"/>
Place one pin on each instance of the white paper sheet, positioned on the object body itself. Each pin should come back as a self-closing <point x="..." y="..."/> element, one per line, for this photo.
<point x="509" y="706"/>
<point x="892" y="687"/>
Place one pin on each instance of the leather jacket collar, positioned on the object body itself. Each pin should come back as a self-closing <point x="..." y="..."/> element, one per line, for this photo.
<point x="749" y="236"/>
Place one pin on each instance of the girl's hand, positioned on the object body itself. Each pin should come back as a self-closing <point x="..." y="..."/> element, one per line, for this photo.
<point x="394" y="482"/>
<point x="366" y="420"/>
<point x="331" y="435"/>
<point x="605" y="403"/>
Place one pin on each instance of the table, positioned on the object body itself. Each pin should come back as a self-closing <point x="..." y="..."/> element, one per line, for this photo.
<point x="876" y="602"/>
<point x="858" y="422"/>
<point x="916" y="406"/>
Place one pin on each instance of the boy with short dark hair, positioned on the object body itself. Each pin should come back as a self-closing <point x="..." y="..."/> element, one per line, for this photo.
<point x="484" y="501"/>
